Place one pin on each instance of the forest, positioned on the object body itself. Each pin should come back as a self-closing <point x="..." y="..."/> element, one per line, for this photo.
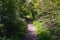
<point x="15" y="14"/>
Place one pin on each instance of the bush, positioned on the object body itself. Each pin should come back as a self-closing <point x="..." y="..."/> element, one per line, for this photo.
<point x="44" y="35"/>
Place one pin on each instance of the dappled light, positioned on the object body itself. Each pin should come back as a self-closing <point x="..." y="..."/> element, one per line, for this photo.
<point x="29" y="19"/>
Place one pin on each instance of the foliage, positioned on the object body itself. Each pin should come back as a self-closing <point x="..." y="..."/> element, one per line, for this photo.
<point x="14" y="15"/>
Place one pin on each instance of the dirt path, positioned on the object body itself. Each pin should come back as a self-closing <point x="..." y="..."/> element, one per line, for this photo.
<point x="30" y="33"/>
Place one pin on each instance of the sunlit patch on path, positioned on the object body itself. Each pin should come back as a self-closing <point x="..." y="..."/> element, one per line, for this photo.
<point x="30" y="33"/>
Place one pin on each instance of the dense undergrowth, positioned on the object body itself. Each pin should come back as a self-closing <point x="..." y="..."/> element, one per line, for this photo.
<point x="42" y="31"/>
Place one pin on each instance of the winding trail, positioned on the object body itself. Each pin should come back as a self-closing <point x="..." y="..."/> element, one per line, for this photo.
<point x="30" y="33"/>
